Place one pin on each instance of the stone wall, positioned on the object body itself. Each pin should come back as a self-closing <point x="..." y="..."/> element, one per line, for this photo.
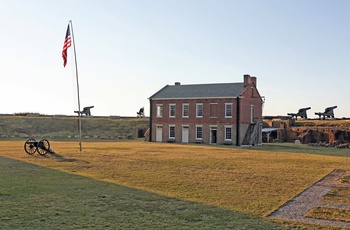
<point x="287" y="132"/>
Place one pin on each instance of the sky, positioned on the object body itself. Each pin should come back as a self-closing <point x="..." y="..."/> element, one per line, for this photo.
<point x="127" y="50"/>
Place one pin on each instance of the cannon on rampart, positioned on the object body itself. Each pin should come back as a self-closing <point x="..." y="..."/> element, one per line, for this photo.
<point x="301" y="113"/>
<point x="328" y="112"/>
<point x="86" y="111"/>
<point x="141" y="112"/>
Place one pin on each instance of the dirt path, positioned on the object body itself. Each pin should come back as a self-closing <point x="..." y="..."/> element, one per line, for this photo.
<point x="301" y="204"/>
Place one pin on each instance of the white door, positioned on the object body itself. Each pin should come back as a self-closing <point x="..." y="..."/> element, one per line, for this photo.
<point x="184" y="134"/>
<point x="159" y="133"/>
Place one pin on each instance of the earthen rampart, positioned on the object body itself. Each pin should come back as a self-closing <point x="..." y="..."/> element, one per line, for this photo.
<point x="308" y="131"/>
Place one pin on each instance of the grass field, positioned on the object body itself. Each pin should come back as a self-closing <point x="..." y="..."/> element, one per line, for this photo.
<point x="33" y="197"/>
<point x="252" y="182"/>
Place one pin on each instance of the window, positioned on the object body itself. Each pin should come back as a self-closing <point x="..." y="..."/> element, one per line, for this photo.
<point x="199" y="132"/>
<point x="172" y="110"/>
<point x="171" y="131"/>
<point x="185" y="110"/>
<point x="159" y="110"/>
<point x="228" y="133"/>
<point x="228" y="109"/>
<point x="213" y="109"/>
<point x="199" y="110"/>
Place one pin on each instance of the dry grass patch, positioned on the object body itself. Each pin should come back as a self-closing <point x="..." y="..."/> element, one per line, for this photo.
<point x="329" y="214"/>
<point x="249" y="181"/>
<point x="345" y="180"/>
<point x="339" y="195"/>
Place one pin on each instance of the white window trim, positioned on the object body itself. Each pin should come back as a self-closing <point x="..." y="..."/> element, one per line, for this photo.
<point x="157" y="106"/>
<point x="170" y="110"/>
<point x="197" y="104"/>
<point x="197" y="126"/>
<point x="231" y="110"/>
<point x="252" y="114"/>
<point x="183" y="110"/>
<point x="174" y="133"/>
<point x="228" y="126"/>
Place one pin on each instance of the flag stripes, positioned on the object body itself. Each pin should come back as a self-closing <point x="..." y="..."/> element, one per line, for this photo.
<point x="66" y="45"/>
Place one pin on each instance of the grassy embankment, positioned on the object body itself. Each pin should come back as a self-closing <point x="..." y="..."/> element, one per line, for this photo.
<point x="323" y="123"/>
<point x="252" y="181"/>
<point x="67" y="127"/>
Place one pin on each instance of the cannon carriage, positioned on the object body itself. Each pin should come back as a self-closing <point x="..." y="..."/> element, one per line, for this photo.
<point x="141" y="113"/>
<point x="301" y="113"/>
<point x="86" y="111"/>
<point x="42" y="147"/>
<point x="328" y="112"/>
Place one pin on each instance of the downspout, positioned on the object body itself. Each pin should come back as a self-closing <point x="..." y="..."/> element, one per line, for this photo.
<point x="237" y="122"/>
<point x="150" y="120"/>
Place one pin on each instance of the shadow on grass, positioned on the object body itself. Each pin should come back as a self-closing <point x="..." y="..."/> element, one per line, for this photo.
<point x="60" y="158"/>
<point x="35" y="197"/>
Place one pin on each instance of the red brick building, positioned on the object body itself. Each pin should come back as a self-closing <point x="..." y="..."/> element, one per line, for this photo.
<point x="223" y="113"/>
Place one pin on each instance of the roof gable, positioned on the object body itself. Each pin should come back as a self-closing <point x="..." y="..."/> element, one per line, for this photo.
<point x="219" y="90"/>
<point x="251" y="86"/>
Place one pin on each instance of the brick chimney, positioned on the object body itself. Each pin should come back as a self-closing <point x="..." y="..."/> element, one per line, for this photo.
<point x="247" y="79"/>
<point x="177" y="83"/>
<point x="253" y="80"/>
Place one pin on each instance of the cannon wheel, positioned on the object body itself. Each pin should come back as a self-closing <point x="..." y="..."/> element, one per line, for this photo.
<point x="43" y="147"/>
<point x="29" y="146"/>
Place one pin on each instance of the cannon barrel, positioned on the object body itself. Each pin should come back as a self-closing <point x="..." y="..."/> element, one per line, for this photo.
<point x="307" y="108"/>
<point x="304" y="109"/>
<point x="328" y="112"/>
<point x="301" y="112"/>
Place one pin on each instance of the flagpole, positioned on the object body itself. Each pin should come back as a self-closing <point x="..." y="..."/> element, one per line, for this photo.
<point x="76" y="74"/>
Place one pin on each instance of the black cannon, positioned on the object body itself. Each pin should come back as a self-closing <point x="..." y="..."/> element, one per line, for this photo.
<point x="141" y="113"/>
<point x="301" y="113"/>
<point x="86" y="111"/>
<point x="328" y="112"/>
<point x="31" y="146"/>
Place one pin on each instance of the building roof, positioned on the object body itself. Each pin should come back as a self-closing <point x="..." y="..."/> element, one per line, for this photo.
<point x="268" y="130"/>
<point x="218" y="90"/>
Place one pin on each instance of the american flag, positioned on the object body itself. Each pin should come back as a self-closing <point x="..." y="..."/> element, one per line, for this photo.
<point x="66" y="45"/>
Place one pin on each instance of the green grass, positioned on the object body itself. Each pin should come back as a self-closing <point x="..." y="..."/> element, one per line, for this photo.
<point x="300" y="148"/>
<point x="234" y="185"/>
<point x="61" y="127"/>
<point x="35" y="197"/>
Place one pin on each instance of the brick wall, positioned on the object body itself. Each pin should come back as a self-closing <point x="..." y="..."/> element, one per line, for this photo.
<point x="213" y="116"/>
<point x="206" y="121"/>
